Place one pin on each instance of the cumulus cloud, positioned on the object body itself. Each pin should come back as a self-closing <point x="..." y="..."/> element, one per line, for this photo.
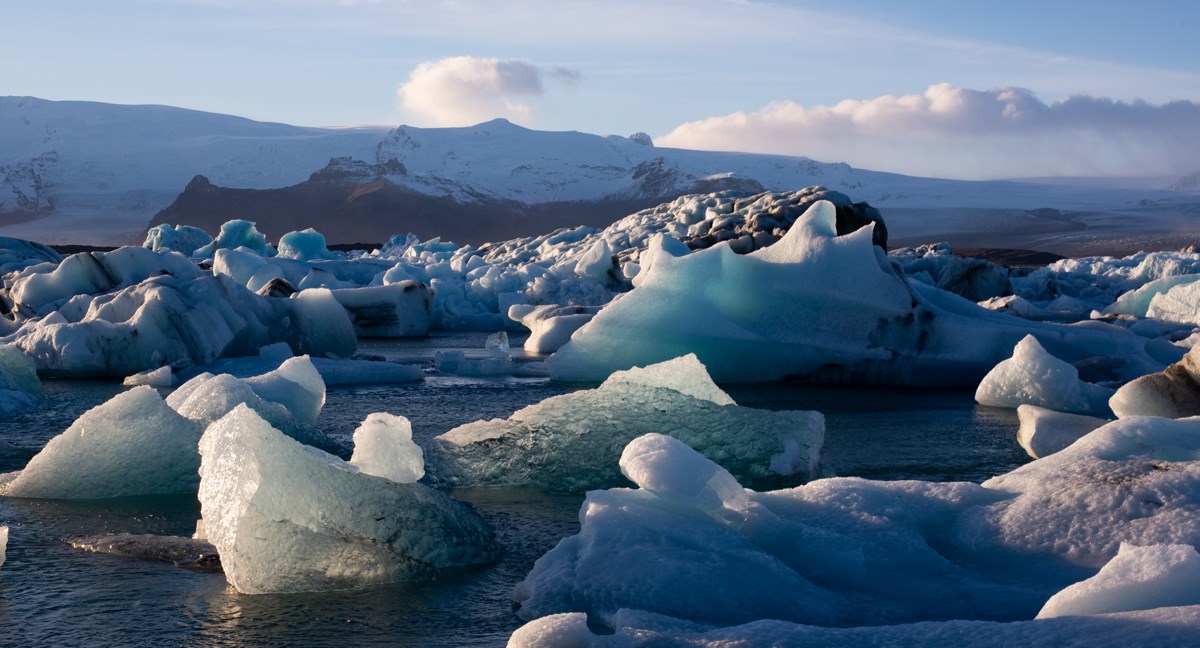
<point x="465" y="90"/>
<point x="959" y="133"/>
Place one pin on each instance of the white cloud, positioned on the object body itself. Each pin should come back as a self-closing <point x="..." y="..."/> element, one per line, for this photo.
<point x="465" y="90"/>
<point x="959" y="133"/>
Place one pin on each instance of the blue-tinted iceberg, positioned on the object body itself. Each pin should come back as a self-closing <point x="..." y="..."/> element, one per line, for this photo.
<point x="820" y="307"/>
<point x="134" y="444"/>
<point x="289" y="518"/>
<point x="571" y="443"/>
<point x="19" y="384"/>
<point x="849" y="551"/>
<point x="1034" y="377"/>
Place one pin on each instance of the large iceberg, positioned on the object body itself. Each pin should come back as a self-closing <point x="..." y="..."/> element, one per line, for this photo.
<point x="849" y="551"/>
<point x="570" y="443"/>
<point x="1034" y="377"/>
<point x="821" y="307"/>
<point x="288" y="518"/>
<point x="131" y="445"/>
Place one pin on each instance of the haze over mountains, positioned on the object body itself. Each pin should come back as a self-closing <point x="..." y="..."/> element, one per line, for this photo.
<point x="93" y="173"/>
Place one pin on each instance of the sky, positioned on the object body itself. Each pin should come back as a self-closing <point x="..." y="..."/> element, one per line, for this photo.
<point x="925" y="87"/>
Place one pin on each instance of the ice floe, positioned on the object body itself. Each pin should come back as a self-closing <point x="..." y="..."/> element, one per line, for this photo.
<point x="289" y="518"/>
<point x="571" y="442"/>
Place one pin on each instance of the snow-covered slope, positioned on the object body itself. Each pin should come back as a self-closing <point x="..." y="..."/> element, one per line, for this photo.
<point x="82" y="172"/>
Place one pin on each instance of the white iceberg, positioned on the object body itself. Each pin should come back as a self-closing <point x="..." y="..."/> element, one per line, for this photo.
<point x="570" y="443"/>
<point x="1137" y="578"/>
<point x="289" y="397"/>
<point x="383" y="447"/>
<point x="1044" y="432"/>
<point x="816" y="306"/>
<point x="401" y="309"/>
<point x="134" y="444"/>
<point x="1179" y="304"/>
<point x="3" y="543"/>
<point x="1172" y="393"/>
<point x="289" y="518"/>
<point x="849" y="551"/>
<point x="161" y="377"/>
<point x="1034" y="377"/>
<point x="550" y="326"/>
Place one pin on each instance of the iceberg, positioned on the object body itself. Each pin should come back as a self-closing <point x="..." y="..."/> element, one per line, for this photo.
<point x="850" y="551"/>
<point x="401" y="309"/>
<point x="304" y="245"/>
<point x="18" y="254"/>
<point x="383" y="447"/>
<point x="289" y="397"/>
<point x="570" y="443"/>
<point x="184" y="239"/>
<point x="1172" y="393"/>
<point x="1137" y="578"/>
<point x="236" y="234"/>
<point x="3" y="543"/>
<point x="288" y="518"/>
<point x="161" y="377"/>
<point x="821" y="307"/>
<point x="1034" y="377"/>
<point x="134" y="444"/>
<point x="19" y="384"/>
<point x="550" y="326"/>
<point x="181" y="322"/>
<point x="1044" y="432"/>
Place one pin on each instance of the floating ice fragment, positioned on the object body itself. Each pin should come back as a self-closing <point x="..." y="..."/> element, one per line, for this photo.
<point x="161" y="377"/>
<point x="1172" y="393"/>
<point x="1034" y="377"/>
<point x="550" y="325"/>
<point x="3" y="543"/>
<point x="305" y="245"/>
<point x="572" y="442"/>
<point x="383" y="446"/>
<point x="288" y="518"/>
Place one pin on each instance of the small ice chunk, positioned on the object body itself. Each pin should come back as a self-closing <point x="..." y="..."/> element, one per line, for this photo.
<point x="3" y="543"/>
<point x="671" y="470"/>
<point x="1044" y="432"/>
<point x="1138" y="578"/>
<point x="685" y="374"/>
<point x="383" y="446"/>
<point x="161" y="377"/>
<point x="17" y="371"/>
<point x="305" y="245"/>
<point x="296" y="385"/>
<point x="134" y="444"/>
<point x="1033" y="376"/>
<point x="551" y="325"/>
<point x="288" y="518"/>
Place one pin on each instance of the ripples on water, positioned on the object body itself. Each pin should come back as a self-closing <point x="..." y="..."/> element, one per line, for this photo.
<point x="51" y="594"/>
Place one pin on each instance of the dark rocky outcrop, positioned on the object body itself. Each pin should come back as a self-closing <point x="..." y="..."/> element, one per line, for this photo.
<point x="350" y="201"/>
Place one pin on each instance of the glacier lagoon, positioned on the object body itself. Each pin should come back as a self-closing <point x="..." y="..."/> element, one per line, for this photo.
<point x="52" y="593"/>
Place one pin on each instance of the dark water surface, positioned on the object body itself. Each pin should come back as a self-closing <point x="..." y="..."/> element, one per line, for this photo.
<point x="51" y="594"/>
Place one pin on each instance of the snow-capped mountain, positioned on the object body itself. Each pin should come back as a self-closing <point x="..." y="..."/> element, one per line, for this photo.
<point x="82" y="172"/>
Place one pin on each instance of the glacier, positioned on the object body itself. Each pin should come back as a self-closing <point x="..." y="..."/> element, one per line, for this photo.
<point x="569" y="443"/>
<point x="289" y="518"/>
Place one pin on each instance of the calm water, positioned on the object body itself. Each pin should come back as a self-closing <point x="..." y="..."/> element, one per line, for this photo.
<point x="51" y="594"/>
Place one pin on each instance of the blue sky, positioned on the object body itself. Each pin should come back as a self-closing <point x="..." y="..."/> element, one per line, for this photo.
<point x="614" y="66"/>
